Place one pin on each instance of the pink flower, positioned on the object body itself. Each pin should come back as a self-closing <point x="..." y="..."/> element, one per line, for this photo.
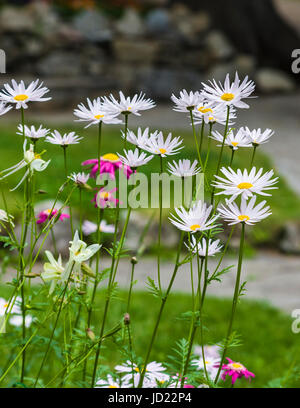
<point x="104" y="198"/>
<point x="48" y="215"/>
<point x="109" y="163"/>
<point x="188" y="386"/>
<point x="235" y="370"/>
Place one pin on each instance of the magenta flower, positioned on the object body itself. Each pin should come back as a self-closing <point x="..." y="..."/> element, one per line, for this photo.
<point x="109" y="163"/>
<point x="105" y="198"/>
<point x="235" y="370"/>
<point x="48" y="215"/>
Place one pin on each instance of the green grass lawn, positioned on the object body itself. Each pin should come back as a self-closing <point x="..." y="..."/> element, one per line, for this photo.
<point x="265" y="233"/>
<point x="268" y="346"/>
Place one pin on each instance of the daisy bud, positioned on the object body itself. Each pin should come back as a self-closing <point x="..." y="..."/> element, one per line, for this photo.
<point x="133" y="260"/>
<point x="42" y="192"/>
<point x="90" y="334"/>
<point x="126" y="319"/>
<point x="86" y="270"/>
<point x="32" y="275"/>
<point x="81" y="292"/>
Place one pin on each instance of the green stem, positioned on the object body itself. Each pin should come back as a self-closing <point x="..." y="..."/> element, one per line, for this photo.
<point x="253" y="155"/>
<point x="54" y="328"/>
<point x="208" y="146"/>
<point x="221" y="151"/>
<point x="160" y="222"/>
<point x="232" y="156"/>
<point x="126" y="130"/>
<point x="201" y="135"/>
<point x="66" y="175"/>
<point x="235" y="299"/>
<point x="196" y="139"/>
<point x="163" y="303"/>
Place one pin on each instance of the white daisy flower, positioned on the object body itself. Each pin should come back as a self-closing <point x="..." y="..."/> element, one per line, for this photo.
<point x="211" y="365"/>
<point x="79" y="252"/>
<point x="257" y="137"/>
<point x="31" y="160"/>
<point x="33" y="133"/>
<point x="211" y="114"/>
<point x="53" y="271"/>
<point x="109" y="382"/>
<point x="5" y="306"/>
<point x="95" y="113"/>
<point x="195" y="219"/>
<point x="17" y="320"/>
<point x="154" y="371"/>
<point x="209" y="351"/>
<point x="232" y="140"/>
<point x="229" y="94"/>
<point x="184" y="168"/>
<point x="89" y="227"/>
<point x="21" y="95"/>
<point x="127" y="105"/>
<point x="79" y="178"/>
<point x="141" y="138"/>
<point x="63" y="140"/>
<point x="200" y="247"/>
<point x="246" y="212"/>
<point x="134" y="158"/>
<point x="239" y="182"/>
<point x="5" y="217"/>
<point x="186" y="101"/>
<point x="4" y="108"/>
<point x="157" y="145"/>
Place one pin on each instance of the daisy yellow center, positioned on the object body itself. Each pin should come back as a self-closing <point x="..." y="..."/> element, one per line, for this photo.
<point x="110" y="157"/>
<point x="6" y="305"/>
<point x="234" y="143"/>
<point x="194" y="227"/>
<point x="48" y="211"/>
<point x="227" y="97"/>
<point x="162" y="151"/>
<point x="129" y="108"/>
<point x="244" y="186"/>
<point x="202" y="109"/>
<point x="112" y="386"/>
<point x="211" y="118"/>
<point x="136" y="369"/>
<point x="236" y="365"/>
<point x="21" y="98"/>
<point x="37" y="156"/>
<point x="105" y="195"/>
<point x="98" y="117"/>
<point x="243" y="217"/>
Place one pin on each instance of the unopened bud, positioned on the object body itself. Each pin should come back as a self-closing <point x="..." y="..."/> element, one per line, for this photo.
<point x="126" y="318"/>
<point x="86" y="270"/>
<point x="42" y="192"/>
<point x="32" y="275"/>
<point x="81" y="292"/>
<point x="90" y="334"/>
<point x="134" y="261"/>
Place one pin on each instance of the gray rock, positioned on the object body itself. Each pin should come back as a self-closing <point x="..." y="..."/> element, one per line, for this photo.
<point x="143" y="51"/>
<point x="93" y="26"/>
<point x="158" y="22"/>
<point x="131" y="24"/>
<point x="219" y="71"/>
<point x="290" y="241"/>
<point x="16" y="19"/>
<point x="272" y="80"/>
<point x="60" y="63"/>
<point x="245" y="64"/>
<point x="160" y="83"/>
<point x="219" y="45"/>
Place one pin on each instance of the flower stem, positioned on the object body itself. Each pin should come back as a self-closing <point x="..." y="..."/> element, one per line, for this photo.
<point x="163" y="303"/>
<point x="160" y="222"/>
<point x="196" y="139"/>
<point x="66" y="175"/>
<point x="235" y="299"/>
<point x="54" y="327"/>
<point x="208" y="147"/>
<point x="221" y="151"/>
<point x="253" y="155"/>
<point x="232" y="156"/>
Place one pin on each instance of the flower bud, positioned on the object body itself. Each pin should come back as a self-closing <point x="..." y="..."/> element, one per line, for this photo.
<point x="133" y="260"/>
<point x="126" y="319"/>
<point x="90" y="334"/>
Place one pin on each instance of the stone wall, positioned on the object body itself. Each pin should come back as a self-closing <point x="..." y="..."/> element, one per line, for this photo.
<point x="164" y="50"/>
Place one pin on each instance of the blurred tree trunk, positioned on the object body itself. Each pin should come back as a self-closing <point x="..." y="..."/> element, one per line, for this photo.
<point x="254" y="27"/>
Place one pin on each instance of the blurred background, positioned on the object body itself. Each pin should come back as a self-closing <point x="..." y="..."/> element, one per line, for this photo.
<point x="159" y="46"/>
<point x="89" y="48"/>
